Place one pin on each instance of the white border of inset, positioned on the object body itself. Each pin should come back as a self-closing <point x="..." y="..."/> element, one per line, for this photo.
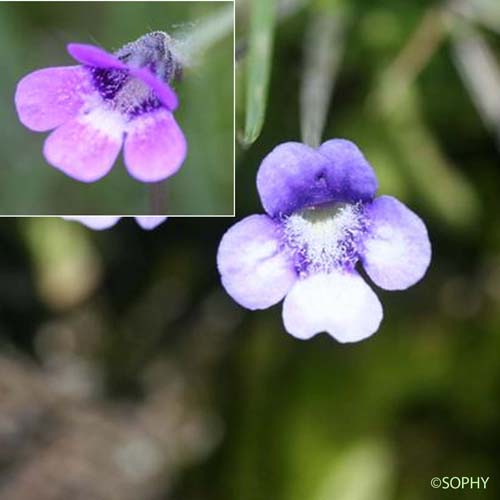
<point x="233" y="215"/>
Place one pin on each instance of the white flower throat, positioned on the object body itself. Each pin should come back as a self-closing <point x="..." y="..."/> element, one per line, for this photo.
<point x="324" y="238"/>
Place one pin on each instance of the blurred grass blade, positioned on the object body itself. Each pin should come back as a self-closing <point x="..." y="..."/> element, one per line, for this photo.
<point x="480" y="73"/>
<point x="415" y="55"/>
<point x="486" y="12"/>
<point x="209" y="31"/>
<point x="440" y="184"/>
<point x="287" y="8"/>
<point x="262" y="19"/>
<point x="323" y="50"/>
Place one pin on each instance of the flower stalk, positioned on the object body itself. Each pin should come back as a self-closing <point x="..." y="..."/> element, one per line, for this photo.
<point x="323" y="50"/>
<point x="157" y="201"/>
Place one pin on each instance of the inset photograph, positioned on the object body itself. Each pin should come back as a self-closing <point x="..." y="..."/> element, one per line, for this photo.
<point x="117" y="108"/>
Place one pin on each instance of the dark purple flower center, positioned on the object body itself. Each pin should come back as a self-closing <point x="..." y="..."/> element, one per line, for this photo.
<point x="321" y="239"/>
<point x="127" y="94"/>
<point x="123" y="93"/>
<point x="108" y="81"/>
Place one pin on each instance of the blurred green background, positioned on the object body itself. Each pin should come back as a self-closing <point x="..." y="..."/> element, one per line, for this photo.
<point x="34" y="35"/>
<point x="126" y="371"/>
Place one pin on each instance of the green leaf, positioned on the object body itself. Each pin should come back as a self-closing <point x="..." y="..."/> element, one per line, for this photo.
<point x="262" y="19"/>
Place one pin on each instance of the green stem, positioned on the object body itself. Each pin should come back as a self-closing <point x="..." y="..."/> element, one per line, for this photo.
<point x="157" y="198"/>
<point x="323" y="49"/>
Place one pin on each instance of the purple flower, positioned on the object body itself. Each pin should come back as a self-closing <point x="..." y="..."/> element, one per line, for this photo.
<point x="108" y="101"/>
<point x="100" y="222"/>
<point x="322" y="220"/>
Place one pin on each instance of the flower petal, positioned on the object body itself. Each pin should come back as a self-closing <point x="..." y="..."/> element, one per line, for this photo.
<point x="294" y="176"/>
<point x="97" y="222"/>
<point x="397" y="249"/>
<point x="49" y="97"/>
<point x="91" y="55"/>
<point x="339" y="303"/>
<point x="254" y="270"/>
<point x="354" y="178"/>
<point x="288" y="179"/>
<point x="150" y="222"/>
<point x="162" y="90"/>
<point x="155" y="147"/>
<point x="86" y="147"/>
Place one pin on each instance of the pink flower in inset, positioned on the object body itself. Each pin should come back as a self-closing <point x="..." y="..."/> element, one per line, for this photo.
<point x="109" y="101"/>
<point x="99" y="222"/>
